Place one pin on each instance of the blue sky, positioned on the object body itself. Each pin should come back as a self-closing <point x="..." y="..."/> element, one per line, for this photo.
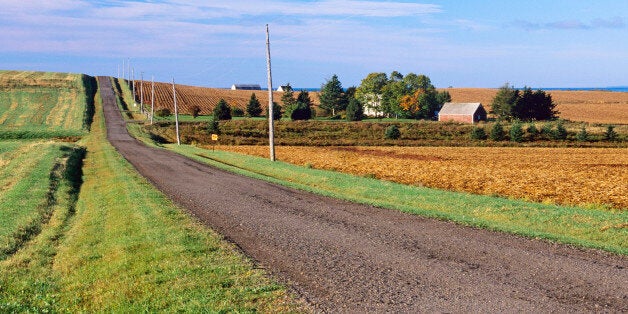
<point x="469" y="43"/>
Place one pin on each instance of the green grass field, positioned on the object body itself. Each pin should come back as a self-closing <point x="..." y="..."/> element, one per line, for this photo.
<point x="28" y="179"/>
<point x="111" y="242"/>
<point x="44" y="105"/>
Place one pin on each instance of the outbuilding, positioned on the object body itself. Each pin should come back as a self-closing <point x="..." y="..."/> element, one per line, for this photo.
<point x="462" y="112"/>
<point x="246" y="87"/>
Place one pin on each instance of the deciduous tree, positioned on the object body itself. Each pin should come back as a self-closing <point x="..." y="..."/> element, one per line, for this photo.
<point x="504" y="101"/>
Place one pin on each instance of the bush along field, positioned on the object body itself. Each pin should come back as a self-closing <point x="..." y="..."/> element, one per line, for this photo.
<point x="372" y="132"/>
<point x="94" y="236"/>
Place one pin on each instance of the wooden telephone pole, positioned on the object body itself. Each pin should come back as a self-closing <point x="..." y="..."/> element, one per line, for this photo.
<point x="176" y="112"/>
<point x="271" y="129"/>
<point x="152" y="98"/>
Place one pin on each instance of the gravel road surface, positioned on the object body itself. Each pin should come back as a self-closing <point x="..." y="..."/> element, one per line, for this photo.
<point x="343" y="257"/>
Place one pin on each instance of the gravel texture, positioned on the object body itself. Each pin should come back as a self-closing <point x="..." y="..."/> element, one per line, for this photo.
<point x="344" y="257"/>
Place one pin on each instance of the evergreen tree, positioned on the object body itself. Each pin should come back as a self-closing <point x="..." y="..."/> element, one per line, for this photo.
<point x="287" y="98"/>
<point x="560" y="133"/>
<point x="610" y="134"/>
<point x="222" y="111"/>
<point x="497" y="132"/>
<point x="355" y="112"/>
<point x="302" y="110"/>
<point x="583" y="135"/>
<point x="253" y="108"/>
<point x="276" y="111"/>
<point x="332" y="97"/>
<point x="213" y="127"/>
<point x="535" y="105"/>
<point x="516" y="132"/>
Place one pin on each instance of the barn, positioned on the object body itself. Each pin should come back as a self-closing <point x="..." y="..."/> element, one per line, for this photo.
<point x="246" y="87"/>
<point x="462" y="112"/>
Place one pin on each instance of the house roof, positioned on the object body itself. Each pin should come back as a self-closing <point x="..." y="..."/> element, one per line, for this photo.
<point x="455" y="108"/>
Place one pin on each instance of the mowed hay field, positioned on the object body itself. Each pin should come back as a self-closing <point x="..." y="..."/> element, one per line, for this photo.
<point x="569" y="176"/>
<point x="586" y="106"/>
<point x="44" y="101"/>
<point x="203" y="97"/>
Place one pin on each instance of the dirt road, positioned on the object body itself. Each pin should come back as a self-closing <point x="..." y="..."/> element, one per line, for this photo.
<point x="343" y="257"/>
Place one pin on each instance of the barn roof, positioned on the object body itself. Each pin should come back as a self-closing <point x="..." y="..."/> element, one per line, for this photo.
<point x="457" y="108"/>
<point x="246" y="86"/>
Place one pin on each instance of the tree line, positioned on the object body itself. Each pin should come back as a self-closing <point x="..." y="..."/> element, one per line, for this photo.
<point x="410" y="96"/>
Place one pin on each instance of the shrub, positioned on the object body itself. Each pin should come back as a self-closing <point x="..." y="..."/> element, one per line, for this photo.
<point x="392" y="132"/>
<point x="195" y="110"/>
<point x="237" y="112"/>
<point x="583" y="135"/>
<point x="610" y="134"/>
<point x="497" y="132"/>
<point x="478" y="133"/>
<point x="532" y="131"/>
<point x="301" y="111"/>
<point x="213" y="127"/>
<point x="516" y="132"/>
<point x="560" y="133"/>
<point x="222" y="111"/>
<point x="163" y="112"/>
<point x="547" y="131"/>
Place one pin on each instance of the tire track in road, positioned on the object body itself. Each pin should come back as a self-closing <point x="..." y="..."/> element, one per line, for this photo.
<point x="345" y="257"/>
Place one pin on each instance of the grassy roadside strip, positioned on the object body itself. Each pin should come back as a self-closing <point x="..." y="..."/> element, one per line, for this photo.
<point x="600" y="229"/>
<point x="124" y="247"/>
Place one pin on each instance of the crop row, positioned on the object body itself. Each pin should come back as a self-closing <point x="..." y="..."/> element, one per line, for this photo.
<point x="190" y="96"/>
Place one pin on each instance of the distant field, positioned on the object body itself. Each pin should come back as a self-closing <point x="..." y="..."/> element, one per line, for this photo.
<point x="569" y="176"/>
<point x="43" y="104"/>
<point x="203" y="97"/>
<point x="587" y="106"/>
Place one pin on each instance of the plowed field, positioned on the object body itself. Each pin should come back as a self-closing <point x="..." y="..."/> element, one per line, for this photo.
<point x="570" y="176"/>
<point x="203" y="97"/>
<point x="587" y="106"/>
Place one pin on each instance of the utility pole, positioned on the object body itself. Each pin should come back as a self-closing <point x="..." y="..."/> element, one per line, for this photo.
<point x="133" y="84"/>
<point x="176" y="112"/>
<point x="123" y="77"/>
<point x="142" y="92"/>
<point x="271" y="129"/>
<point x="152" y="99"/>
